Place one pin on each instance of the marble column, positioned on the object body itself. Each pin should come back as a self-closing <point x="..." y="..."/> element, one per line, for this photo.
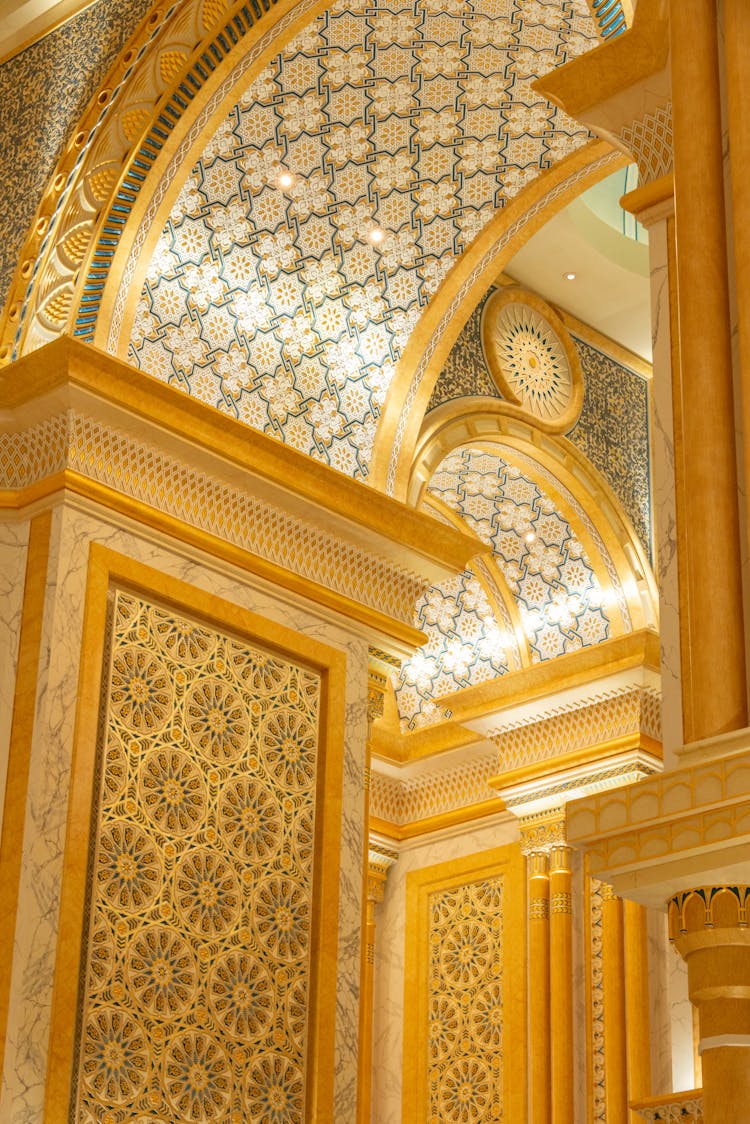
<point x="709" y="928"/>
<point x="561" y="984"/>
<point x="539" y="986"/>
<point x="637" y="1003"/>
<point x="613" y="985"/>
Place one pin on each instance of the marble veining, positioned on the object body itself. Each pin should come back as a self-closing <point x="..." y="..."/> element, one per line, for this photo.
<point x="14" y="539"/>
<point x="389" y="958"/>
<point x="72" y="532"/>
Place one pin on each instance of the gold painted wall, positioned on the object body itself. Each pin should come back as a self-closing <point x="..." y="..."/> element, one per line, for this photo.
<point x="465" y="1001"/>
<point x="195" y="989"/>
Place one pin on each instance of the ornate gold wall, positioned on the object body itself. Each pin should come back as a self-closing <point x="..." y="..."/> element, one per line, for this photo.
<point x="200" y="898"/>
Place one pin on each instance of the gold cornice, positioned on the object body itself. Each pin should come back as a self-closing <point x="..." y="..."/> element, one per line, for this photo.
<point x="404" y="637"/>
<point x="652" y="202"/>
<point x="598" y="754"/>
<point x="637" y="649"/>
<point x="66" y="371"/>
<point x="469" y="814"/>
<point x="613" y="67"/>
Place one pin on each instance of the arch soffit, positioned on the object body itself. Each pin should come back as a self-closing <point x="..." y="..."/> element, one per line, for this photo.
<point x="103" y="184"/>
<point x="586" y="499"/>
<point x="74" y="231"/>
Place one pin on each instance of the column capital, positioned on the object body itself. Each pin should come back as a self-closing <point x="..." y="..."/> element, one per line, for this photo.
<point x="380" y="859"/>
<point x="709" y="917"/>
<point x="543" y="831"/>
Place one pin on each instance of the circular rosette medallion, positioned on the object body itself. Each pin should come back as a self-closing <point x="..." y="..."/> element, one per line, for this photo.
<point x="184" y="641"/>
<point x="465" y="954"/>
<point x="241" y="995"/>
<point x="197" y="1077"/>
<point x="250" y="820"/>
<point x="216" y="721"/>
<point x="172" y="791"/>
<point x="282" y="917"/>
<point x="258" y="673"/>
<point x="444" y="1027"/>
<point x="207" y="893"/>
<point x="141" y="691"/>
<point x="532" y="358"/>
<point x="289" y="744"/>
<point x="129" y="873"/>
<point x="465" y="1092"/>
<point x="275" y="1091"/>
<point x="115" y="1063"/>
<point x="486" y="1017"/>
<point x="162" y="976"/>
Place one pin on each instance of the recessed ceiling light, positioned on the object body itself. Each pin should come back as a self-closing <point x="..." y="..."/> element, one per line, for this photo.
<point x="376" y="234"/>
<point x="530" y="537"/>
<point x="569" y="276"/>
<point x="285" y="180"/>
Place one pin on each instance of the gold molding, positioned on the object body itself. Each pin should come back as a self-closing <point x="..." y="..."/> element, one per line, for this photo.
<point x="429" y="345"/>
<point x="469" y="814"/>
<point x="107" y="569"/>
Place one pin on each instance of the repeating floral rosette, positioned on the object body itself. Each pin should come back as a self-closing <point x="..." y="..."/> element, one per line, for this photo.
<point x="465" y="1035"/>
<point x="197" y="961"/>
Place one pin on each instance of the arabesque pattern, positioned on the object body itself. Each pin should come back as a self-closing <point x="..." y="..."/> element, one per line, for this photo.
<point x="197" y="961"/>
<point x="417" y="122"/>
<point x="465" y="996"/>
<point x="538" y="552"/>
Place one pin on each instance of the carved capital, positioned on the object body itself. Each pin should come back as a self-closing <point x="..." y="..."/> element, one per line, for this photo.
<point x="543" y="831"/>
<point x="380" y="859"/>
<point x="709" y="916"/>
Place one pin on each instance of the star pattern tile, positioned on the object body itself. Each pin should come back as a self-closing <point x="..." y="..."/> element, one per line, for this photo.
<point x="561" y="603"/>
<point x="415" y="119"/>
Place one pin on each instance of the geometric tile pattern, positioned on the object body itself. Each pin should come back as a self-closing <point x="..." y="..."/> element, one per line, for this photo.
<point x="651" y="142"/>
<point x="465" y="645"/>
<point x="432" y="793"/>
<point x="195" y="975"/>
<point x="613" y="427"/>
<point x="273" y="304"/>
<point x="539" y="555"/>
<point x="43" y="92"/>
<point x="465" y="996"/>
<point x="613" y="431"/>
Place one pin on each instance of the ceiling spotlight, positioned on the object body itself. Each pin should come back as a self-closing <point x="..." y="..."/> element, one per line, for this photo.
<point x="569" y="276"/>
<point x="529" y="537"/>
<point x="286" y="179"/>
<point x="376" y="235"/>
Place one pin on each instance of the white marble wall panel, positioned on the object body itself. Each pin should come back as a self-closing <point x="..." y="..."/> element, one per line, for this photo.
<point x="664" y="495"/>
<point x="660" y="954"/>
<point x="14" y="538"/>
<point x="389" y="955"/>
<point x="681" y="1021"/>
<point x="21" y="1099"/>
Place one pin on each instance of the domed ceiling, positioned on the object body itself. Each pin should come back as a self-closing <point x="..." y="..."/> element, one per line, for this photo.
<point x="544" y="593"/>
<point x="333" y="199"/>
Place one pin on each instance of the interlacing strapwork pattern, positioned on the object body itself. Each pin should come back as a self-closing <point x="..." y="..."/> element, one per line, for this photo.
<point x="196" y="969"/>
<point x="465" y="1064"/>
<point x="596" y="1005"/>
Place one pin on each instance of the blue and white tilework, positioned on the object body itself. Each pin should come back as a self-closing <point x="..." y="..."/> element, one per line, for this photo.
<point x="43" y="92"/>
<point x="544" y="566"/>
<point x="416" y="118"/>
<point x="613" y="432"/>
